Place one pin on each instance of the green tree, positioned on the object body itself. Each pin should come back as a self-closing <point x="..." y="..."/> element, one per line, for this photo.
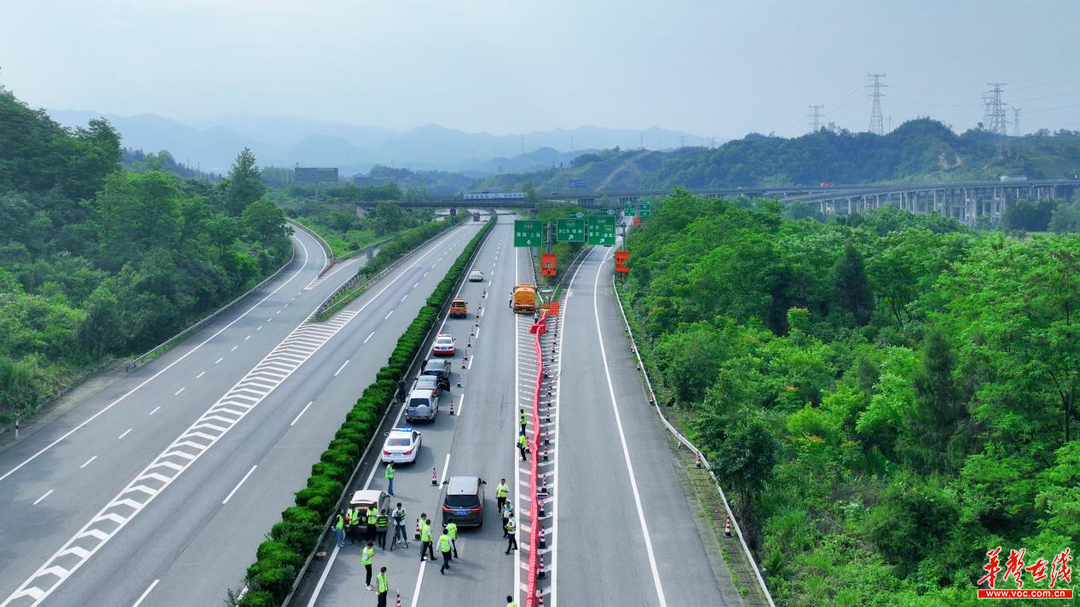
<point x="851" y="289"/>
<point x="940" y="411"/>
<point x="265" y="222"/>
<point x="243" y="185"/>
<point x="1066" y="217"/>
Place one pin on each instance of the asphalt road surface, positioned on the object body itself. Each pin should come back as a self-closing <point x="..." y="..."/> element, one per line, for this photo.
<point x="189" y="460"/>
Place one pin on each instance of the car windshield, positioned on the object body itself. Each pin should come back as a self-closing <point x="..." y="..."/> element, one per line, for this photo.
<point x="462" y="501"/>
<point x="427" y="382"/>
<point x="443" y="342"/>
<point x="419" y="402"/>
<point x="399" y="441"/>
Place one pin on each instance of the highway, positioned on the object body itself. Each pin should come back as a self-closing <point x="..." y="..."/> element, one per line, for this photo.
<point x="188" y="460"/>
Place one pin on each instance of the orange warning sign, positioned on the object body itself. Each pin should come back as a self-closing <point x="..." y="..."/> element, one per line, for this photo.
<point x="620" y="261"/>
<point x="547" y="264"/>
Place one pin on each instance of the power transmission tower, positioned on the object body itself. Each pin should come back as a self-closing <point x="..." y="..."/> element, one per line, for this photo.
<point x="877" y="124"/>
<point x="1016" y="121"/>
<point x="815" y="117"/>
<point x="994" y="114"/>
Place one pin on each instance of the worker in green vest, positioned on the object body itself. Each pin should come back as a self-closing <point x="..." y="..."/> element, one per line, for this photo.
<point x="382" y="586"/>
<point x="501" y="491"/>
<point x="339" y="528"/>
<point x="389" y="474"/>
<point x="425" y="538"/>
<point x="451" y="530"/>
<point x="352" y="520"/>
<point x="382" y="523"/>
<point x="522" y="422"/>
<point x="367" y="559"/>
<point x="510" y="602"/>
<point x="511" y="532"/>
<point x="372" y="521"/>
<point x="444" y="548"/>
<point x="507" y="512"/>
<point x="523" y="446"/>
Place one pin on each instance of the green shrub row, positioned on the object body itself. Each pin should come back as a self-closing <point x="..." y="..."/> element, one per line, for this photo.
<point x="280" y="557"/>
<point x="388" y="254"/>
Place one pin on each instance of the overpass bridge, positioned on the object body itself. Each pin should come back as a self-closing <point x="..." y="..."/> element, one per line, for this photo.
<point x="965" y="201"/>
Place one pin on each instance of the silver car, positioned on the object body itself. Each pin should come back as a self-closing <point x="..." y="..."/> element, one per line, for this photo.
<point x="422" y="405"/>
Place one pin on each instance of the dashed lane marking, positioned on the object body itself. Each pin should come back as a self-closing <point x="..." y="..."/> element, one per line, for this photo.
<point x="155" y="410"/>
<point x="42" y="498"/>
<point x="126" y="432"/>
<point x="87" y="462"/>
<point x="302" y="411"/>
<point x="199" y="376"/>
<point x="146" y="593"/>
<point x="237" y="487"/>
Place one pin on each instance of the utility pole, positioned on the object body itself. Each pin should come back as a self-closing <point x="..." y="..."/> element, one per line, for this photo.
<point x="994" y="117"/>
<point x="877" y="125"/>
<point x="815" y="117"/>
<point x="1016" y="121"/>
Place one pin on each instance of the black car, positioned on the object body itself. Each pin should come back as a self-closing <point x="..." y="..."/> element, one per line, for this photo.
<point x="440" y="369"/>
<point x="463" y="501"/>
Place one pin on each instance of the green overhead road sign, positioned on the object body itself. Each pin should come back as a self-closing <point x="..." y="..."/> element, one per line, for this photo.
<point x="601" y="230"/>
<point x="646" y="209"/>
<point x="569" y="229"/>
<point x="628" y="209"/>
<point x="528" y="233"/>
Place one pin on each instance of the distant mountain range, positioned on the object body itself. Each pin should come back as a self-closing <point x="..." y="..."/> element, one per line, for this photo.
<point x="212" y="144"/>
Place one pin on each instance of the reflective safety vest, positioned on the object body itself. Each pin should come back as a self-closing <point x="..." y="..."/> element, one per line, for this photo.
<point x="508" y="510"/>
<point x="399" y="516"/>
<point x="340" y="522"/>
<point x="451" y="530"/>
<point x="510" y="526"/>
<point x="354" y="517"/>
<point x="512" y="604"/>
<point x="389" y="470"/>
<point x="367" y="557"/>
<point x="380" y="581"/>
<point x="521" y="441"/>
<point x="372" y="516"/>
<point x="425" y="531"/>
<point x="501" y="490"/>
<point x="444" y="543"/>
<point x="523" y="423"/>
<point x="382" y="522"/>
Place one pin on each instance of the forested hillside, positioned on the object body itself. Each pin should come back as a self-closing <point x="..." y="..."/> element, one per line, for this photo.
<point x="888" y="398"/>
<point x="99" y="261"/>
<point x="920" y="150"/>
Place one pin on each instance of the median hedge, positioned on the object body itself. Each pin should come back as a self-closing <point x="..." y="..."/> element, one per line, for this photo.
<point x="279" y="558"/>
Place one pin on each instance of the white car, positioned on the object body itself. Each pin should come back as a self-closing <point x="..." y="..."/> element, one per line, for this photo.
<point x="476" y="276"/>
<point x="444" y="345"/>
<point x="401" y="446"/>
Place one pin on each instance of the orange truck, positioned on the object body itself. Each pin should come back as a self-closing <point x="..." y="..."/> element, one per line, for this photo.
<point x="524" y="299"/>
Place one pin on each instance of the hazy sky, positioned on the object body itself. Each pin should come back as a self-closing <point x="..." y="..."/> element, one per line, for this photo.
<point x="719" y="67"/>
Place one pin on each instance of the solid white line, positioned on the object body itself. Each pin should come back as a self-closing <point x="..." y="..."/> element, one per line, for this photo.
<point x="387" y="317"/>
<point x="325" y="573"/>
<point x="219" y="360"/>
<point x="513" y="431"/>
<point x="47" y="494"/>
<point x="247" y="338"/>
<point x="179" y="391"/>
<point x="143" y="597"/>
<point x="87" y="462"/>
<point x="622" y="439"/>
<point x="445" y="467"/>
<point x="231" y="493"/>
<point x="154" y="376"/>
<point x="155" y="410"/>
<point x="124" y="434"/>
<point x="419" y="581"/>
<point x="200" y="375"/>
<point x="297" y="418"/>
<point x="369" y="336"/>
<point x="340" y="368"/>
<point x="461" y="404"/>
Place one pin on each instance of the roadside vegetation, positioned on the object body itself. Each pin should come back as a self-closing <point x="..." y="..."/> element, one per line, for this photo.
<point x="348" y="234"/>
<point x="888" y="397"/>
<point x="97" y="261"/>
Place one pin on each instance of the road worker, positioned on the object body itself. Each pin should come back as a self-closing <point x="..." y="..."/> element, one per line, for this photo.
<point x="501" y="491"/>
<point x="382" y="522"/>
<point x="389" y="474"/>
<point x="372" y="523"/>
<point x="511" y="532"/>
<point x="399" y="527"/>
<point x="523" y="422"/>
<point x="367" y="559"/>
<point x="444" y="548"/>
<point x="382" y="587"/>
<point x="425" y="538"/>
<point x="339" y="528"/>
<point x="523" y="446"/>
<point x="451" y="530"/>
<point x="507" y="512"/>
<point x="510" y="602"/>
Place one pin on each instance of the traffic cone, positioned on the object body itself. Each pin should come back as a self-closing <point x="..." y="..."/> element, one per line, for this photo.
<point x="451" y="406"/>
<point x="546" y="438"/>
<point x="399" y="599"/>
<point x="543" y="483"/>
<point x="543" y="537"/>
<point x="465" y="355"/>
<point x="539" y="598"/>
<point x="547" y="416"/>
<point x="540" y="573"/>
<point x="434" y="478"/>
<point x="545" y="453"/>
<point x="416" y="536"/>
<point x="727" y="527"/>
<point x="539" y="503"/>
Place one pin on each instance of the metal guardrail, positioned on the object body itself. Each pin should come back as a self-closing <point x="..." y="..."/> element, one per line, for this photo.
<point x="346" y="492"/>
<point x="331" y="259"/>
<point x="689" y="445"/>
<point x="172" y="341"/>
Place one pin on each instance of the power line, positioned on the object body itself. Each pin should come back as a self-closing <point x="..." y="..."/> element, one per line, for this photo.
<point x="877" y="126"/>
<point x="815" y="117"/>
<point x="994" y="117"/>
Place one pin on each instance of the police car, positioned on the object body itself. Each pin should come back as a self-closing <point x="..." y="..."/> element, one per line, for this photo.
<point x="401" y="446"/>
<point x="444" y="345"/>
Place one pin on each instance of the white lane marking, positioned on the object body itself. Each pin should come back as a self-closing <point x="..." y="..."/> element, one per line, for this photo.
<point x="145" y="593"/>
<point x="154" y="376"/>
<point x="87" y="462"/>
<point x="219" y="360"/>
<point x="369" y="336"/>
<point x="233" y="492"/>
<point x="47" y="494"/>
<point x="259" y="328"/>
<point x="234" y="348"/>
<point x="278" y="312"/>
<point x="293" y="299"/>
<point x="340" y="368"/>
<point x="489" y="283"/>
<point x="387" y="317"/>
<point x="622" y="439"/>
<point x="247" y="338"/>
<point x="124" y="434"/>
<point x="297" y="418"/>
<point x="269" y="319"/>
<point x="419" y="582"/>
<point x="180" y="390"/>
<point x="425" y="275"/>
<point x="325" y="573"/>
<point x="200" y="375"/>
<point x="416" y="285"/>
<point x="406" y="297"/>
<point x="461" y="404"/>
<point x="513" y="430"/>
<point x="445" y="467"/>
<point x="155" y="410"/>
<point x="477" y="336"/>
<point x="285" y="306"/>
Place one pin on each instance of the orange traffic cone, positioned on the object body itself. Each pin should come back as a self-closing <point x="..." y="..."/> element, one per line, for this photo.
<point x="416" y="536"/>
<point x="543" y="537"/>
<point x="540" y="572"/>
<point x="399" y="599"/>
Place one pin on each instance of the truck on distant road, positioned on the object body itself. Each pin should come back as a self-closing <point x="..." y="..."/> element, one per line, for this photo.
<point x="476" y="216"/>
<point x="1013" y="178"/>
<point x="524" y="299"/>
